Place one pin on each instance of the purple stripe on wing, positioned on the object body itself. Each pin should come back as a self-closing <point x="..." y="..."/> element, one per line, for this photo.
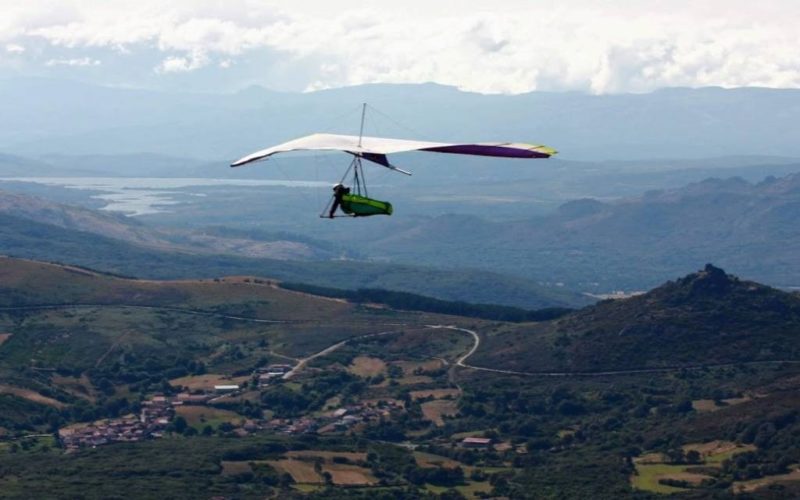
<point x="488" y="150"/>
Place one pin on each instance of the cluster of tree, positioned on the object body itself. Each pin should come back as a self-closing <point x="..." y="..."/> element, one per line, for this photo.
<point x="439" y="476"/>
<point x="285" y="402"/>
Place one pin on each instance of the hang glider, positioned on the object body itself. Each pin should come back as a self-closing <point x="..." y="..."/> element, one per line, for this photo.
<point x="355" y="201"/>
<point x="375" y="149"/>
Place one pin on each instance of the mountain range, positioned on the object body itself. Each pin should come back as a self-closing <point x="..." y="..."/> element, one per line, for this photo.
<point x="631" y="243"/>
<point x="53" y="116"/>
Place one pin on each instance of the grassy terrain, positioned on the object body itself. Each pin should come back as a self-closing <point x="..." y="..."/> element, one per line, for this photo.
<point x="553" y="437"/>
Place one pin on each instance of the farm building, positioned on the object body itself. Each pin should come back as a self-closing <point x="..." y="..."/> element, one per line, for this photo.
<point x="476" y="442"/>
<point x="226" y="388"/>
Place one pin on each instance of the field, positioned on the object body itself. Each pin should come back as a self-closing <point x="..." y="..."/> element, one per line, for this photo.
<point x="470" y="490"/>
<point x="436" y="410"/>
<point x="648" y="475"/>
<point x="31" y="396"/>
<point x="430" y="460"/>
<point x="349" y="475"/>
<point x="301" y="471"/>
<point x="365" y="366"/>
<point x="650" y="468"/>
<point x="711" y="405"/>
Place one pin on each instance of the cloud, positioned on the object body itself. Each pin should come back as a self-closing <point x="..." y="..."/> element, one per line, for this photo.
<point x="175" y="64"/>
<point x="83" y="61"/>
<point x="14" y="48"/>
<point x="514" y="46"/>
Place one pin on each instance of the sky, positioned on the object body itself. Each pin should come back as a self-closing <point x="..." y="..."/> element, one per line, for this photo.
<point x="500" y="46"/>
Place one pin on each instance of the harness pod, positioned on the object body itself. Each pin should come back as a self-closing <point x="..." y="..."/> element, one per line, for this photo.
<point x="358" y="203"/>
<point x="361" y="206"/>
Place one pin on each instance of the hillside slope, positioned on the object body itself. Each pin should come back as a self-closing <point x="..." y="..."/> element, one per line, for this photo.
<point x="25" y="238"/>
<point x="705" y="318"/>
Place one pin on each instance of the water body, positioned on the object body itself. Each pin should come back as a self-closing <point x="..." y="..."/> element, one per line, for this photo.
<point x="135" y="196"/>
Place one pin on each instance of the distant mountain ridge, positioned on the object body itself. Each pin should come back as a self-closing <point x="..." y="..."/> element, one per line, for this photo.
<point x="705" y="318"/>
<point x="631" y="243"/>
<point x="52" y="116"/>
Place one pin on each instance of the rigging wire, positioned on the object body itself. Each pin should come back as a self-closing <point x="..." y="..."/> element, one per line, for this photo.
<point x="418" y="134"/>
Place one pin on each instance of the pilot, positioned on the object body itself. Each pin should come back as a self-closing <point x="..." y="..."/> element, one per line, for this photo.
<point x="339" y="190"/>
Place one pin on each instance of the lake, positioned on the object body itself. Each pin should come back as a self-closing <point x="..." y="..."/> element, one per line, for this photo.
<point x="135" y="196"/>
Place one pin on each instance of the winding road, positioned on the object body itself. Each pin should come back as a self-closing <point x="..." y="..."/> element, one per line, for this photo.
<point x="477" y="342"/>
<point x="461" y="362"/>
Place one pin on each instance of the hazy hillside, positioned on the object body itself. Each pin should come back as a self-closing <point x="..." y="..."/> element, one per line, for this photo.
<point x="705" y="318"/>
<point x="52" y="116"/>
<point x="78" y="219"/>
<point x="632" y="243"/>
<point x="24" y="237"/>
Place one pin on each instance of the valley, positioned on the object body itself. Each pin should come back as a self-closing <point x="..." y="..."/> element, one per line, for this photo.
<point x="265" y="391"/>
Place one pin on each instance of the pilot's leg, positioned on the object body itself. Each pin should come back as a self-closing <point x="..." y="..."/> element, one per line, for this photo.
<point x="333" y="208"/>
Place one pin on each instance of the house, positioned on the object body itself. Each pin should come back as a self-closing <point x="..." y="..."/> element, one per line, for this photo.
<point x="349" y="420"/>
<point x="226" y="388"/>
<point x="191" y="399"/>
<point x="476" y="442"/>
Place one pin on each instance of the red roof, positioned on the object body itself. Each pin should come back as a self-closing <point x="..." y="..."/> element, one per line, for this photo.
<point x="474" y="440"/>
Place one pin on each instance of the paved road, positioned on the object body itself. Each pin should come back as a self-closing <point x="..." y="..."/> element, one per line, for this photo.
<point x="304" y="361"/>
<point x="469" y="353"/>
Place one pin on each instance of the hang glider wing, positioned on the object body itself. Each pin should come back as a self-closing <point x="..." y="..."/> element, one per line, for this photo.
<point x="375" y="149"/>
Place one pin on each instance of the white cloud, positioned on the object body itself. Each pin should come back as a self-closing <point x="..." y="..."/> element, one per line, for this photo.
<point x="14" y="48"/>
<point x="176" y="64"/>
<point x="83" y="61"/>
<point x="514" y="46"/>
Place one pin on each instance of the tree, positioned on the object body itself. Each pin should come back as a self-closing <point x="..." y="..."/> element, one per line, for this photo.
<point x="179" y="424"/>
<point x="693" y="457"/>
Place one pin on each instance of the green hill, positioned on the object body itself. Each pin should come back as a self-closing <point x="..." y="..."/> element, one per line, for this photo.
<point x="705" y="318"/>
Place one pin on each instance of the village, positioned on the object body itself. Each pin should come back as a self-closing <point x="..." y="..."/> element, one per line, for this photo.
<point x="160" y="411"/>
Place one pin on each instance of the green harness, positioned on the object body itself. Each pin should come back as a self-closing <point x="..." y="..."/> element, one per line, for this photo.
<point x="361" y="206"/>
